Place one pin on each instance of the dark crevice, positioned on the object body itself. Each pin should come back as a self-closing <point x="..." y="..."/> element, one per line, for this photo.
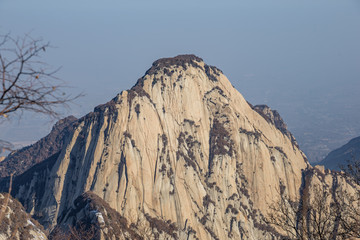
<point x="219" y="142"/>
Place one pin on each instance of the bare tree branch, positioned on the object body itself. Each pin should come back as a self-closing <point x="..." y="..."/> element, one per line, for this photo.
<point x="352" y="169"/>
<point x="325" y="214"/>
<point x="28" y="83"/>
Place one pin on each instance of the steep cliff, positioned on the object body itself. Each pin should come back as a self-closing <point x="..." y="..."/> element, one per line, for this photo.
<point x="182" y="146"/>
<point x="273" y="117"/>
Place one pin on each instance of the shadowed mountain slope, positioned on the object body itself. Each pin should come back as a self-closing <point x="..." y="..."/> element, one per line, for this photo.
<point x="24" y="158"/>
<point x="340" y="157"/>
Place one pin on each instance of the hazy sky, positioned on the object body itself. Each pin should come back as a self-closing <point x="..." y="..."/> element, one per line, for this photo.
<point x="300" y="57"/>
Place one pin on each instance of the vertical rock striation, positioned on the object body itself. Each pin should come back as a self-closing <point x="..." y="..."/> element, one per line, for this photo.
<point x="181" y="146"/>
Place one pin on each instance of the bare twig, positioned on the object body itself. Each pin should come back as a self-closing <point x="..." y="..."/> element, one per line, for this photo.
<point x="325" y="214"/>
<point x="28" y="83"/>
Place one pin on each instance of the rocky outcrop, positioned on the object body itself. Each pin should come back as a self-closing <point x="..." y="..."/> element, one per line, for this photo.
<point x="350" y="152"/>
<point x="21" y="160"/>
<point x="16" y="223"/>
<point x="273" y="117"/>
<point x="92" y="215"/>
<point x="336" y="197"/>
<point x="183" y="147"/>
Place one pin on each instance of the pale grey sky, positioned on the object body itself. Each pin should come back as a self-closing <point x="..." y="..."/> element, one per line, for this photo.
<point x="299" y="57"/>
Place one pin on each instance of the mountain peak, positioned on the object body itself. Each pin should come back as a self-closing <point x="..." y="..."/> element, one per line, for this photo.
<point x="180" y="60"/>
<point x="178" y="145"/>
<point x="176" y="68"/>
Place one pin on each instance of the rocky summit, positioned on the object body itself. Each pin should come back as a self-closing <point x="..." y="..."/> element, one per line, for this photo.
<point x="181" y="155"/>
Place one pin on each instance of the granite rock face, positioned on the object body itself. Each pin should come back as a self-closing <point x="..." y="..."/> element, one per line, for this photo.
<point x="273" y="117"/>
<point x="183" y="147"/>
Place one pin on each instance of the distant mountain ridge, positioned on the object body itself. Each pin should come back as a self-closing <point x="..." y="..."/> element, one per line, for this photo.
<point x="340" y="157"/>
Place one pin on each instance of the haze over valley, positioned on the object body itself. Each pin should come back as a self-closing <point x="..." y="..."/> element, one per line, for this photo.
<point x="304" y="67"/>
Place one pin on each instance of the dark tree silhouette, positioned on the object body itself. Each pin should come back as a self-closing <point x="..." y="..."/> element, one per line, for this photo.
<point x="320" y="215"/>
<point x="27" y="82"/>
<point x="352" y="169"/>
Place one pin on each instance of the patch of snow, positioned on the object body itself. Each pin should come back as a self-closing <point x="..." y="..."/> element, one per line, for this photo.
<point x="30" y="223"/>
<point x="97" y="217"/>
<point x="100" y="219"/>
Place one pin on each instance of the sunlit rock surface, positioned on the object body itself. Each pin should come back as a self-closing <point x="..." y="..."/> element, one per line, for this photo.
<point x="182" y="146"/>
